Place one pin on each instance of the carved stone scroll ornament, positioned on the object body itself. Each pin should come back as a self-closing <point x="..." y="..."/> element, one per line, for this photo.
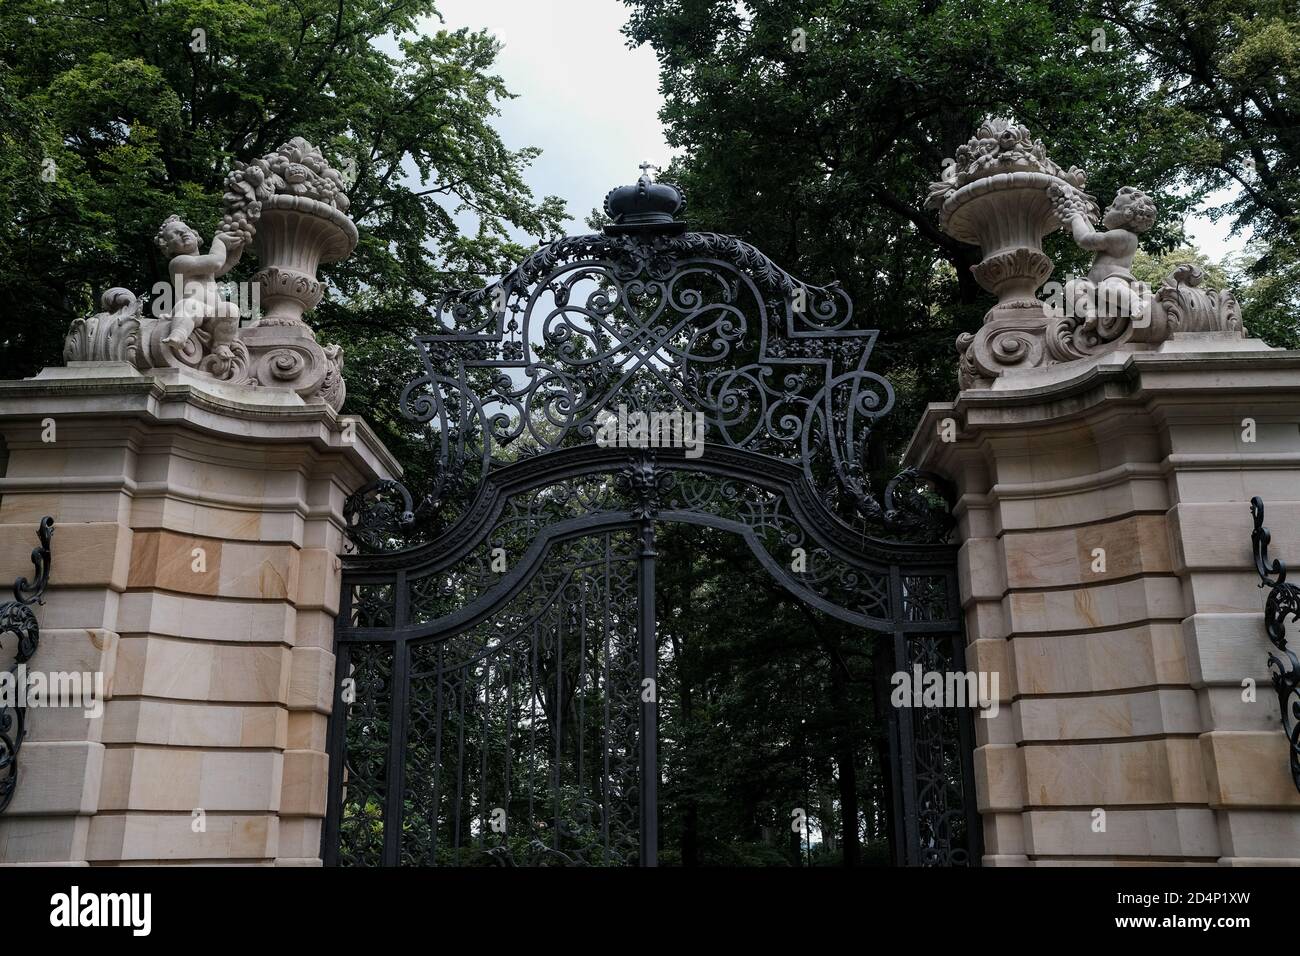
<point x="1003" y="193"/>
<point x="1190" y="308"/>
<point x="290" y="205"/>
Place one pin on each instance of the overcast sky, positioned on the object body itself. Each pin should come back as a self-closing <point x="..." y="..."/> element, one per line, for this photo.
<point x="592" y="104"/>
<point x="588" y="101"/>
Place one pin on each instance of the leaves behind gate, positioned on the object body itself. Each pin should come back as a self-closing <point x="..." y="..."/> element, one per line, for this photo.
<point x="767" y="708"/>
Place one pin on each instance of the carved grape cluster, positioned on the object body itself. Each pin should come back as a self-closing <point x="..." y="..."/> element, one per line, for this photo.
<point x="1069" y="202"/>
<point x="296" y="169"/>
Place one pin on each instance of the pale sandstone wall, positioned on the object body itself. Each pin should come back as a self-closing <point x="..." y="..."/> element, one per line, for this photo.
<point x="1122" y="688"/>
<point x="219" y="680"/>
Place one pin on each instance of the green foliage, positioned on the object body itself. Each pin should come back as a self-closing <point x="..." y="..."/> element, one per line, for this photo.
<point x="812" y="127"/>
<point x="1268" y="293"/>
<point x="139" y="124"/>
<point x="1226" y="72"/>
<point x="1152" y="269"/>
<point x="767" y="707"/>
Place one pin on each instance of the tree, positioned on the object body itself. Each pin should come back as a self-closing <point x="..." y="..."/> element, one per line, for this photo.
<point x="114" y="115"/>
<point x="1226" y="73"/>
<point x="765" y="710"/>
<point x="812" y="128"/>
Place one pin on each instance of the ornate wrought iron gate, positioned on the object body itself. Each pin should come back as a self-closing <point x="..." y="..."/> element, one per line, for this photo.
<point x="497" y="661"/>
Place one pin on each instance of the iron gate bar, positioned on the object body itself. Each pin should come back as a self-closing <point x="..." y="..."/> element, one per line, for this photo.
<point x="396" y="784"/>
<point x="967" y="742"/>
<point x="828" y="531"/>
<point x="723" y="461"/>
<point x="396" y="741"/>
<point x="649" y="739"/>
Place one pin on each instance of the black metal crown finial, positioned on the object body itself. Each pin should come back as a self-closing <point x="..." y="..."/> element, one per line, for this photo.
<point x="645" y="207"/>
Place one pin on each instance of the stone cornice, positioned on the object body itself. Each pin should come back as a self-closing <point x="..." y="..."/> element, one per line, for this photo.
<point x="1115" y="381"/>
<point x="116" y="391"/>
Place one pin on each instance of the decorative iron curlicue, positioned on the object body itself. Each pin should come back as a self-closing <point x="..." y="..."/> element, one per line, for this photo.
<point x="1283" y="603"/>
<point x="18" y="619"/>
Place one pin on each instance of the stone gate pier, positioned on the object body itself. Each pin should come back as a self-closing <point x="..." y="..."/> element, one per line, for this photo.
<point x="197" y="482"/>
<point x="1104" y="460"/>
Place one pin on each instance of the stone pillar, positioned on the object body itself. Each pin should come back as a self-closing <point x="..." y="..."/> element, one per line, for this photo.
<point x="1106" y="573"/>
<point x="198" y="529"/>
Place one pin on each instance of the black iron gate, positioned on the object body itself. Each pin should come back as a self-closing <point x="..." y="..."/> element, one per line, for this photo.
<point x="497" y="660"/>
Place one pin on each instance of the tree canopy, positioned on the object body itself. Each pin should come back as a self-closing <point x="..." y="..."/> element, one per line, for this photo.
<point x="114" y="115"/>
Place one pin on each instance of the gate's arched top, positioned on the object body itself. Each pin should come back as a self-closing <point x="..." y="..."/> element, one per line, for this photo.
<point x="648" y="318"/>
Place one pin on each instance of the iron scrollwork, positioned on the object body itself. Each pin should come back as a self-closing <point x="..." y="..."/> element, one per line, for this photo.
<point x="382" y="515"/>
<point x="18" y="619"/>
<point x="908" y="508"/>
<point x="656" y="319"/>
<point x="1283" y="603"/>
<point x="498" y="631"/>
<point x="697" y="321"/>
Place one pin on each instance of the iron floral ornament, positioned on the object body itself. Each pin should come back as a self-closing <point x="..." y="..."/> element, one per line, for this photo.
<point x="18" y="619"/>
<point x="1283" y="603"/>
<point x="650" y="315"/>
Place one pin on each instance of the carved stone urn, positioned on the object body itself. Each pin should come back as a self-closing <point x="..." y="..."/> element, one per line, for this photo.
<point x="299" y="210"/>
<point x="997" y="194"/>
<point x="295" y="234"/>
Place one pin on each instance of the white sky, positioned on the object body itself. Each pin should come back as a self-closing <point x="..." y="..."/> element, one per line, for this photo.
<point x="1211" y="237"/>
<point x="592" y="104"/>
<point x="588" y="101"/>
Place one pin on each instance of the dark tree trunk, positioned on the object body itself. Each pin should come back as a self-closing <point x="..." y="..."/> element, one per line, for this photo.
<point x="849" y="799"/>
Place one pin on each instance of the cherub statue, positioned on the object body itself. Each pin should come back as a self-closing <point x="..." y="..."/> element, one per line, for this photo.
<point x="1109" y="294"/>
<point x="200" y="302"/>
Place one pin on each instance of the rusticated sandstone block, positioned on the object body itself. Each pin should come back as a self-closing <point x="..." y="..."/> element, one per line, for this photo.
<point x="1132" y="680"/>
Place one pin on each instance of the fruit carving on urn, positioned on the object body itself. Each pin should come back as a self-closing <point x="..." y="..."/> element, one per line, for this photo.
<point x="296" y="201"/>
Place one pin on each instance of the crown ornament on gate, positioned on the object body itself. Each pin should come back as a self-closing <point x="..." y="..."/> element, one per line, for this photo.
<point x="291" y="207"/>
<point x="647" y="207"/>
<point x="1003" y="193"/>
